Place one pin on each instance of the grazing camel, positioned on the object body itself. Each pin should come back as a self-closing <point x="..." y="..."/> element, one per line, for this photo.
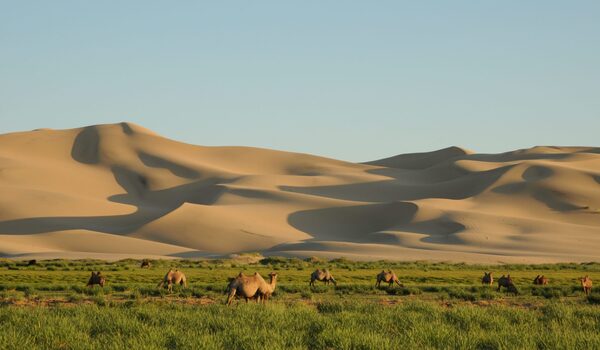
<point x="323" y="276"/>
<point x="586" y="284"/>
<point x="487" y="278"/>
<point x="146" y="264"/>
<point x="96" y="278"/>
<point x="541" y="280"/>
<point x="387" y="277"/>
<point x="506" y="282"/>
<point x="250" y="287"/>
<point x="173" y="277"/>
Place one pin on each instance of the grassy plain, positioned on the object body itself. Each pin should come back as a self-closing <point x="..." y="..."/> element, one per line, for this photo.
<point x="442" y="306"/>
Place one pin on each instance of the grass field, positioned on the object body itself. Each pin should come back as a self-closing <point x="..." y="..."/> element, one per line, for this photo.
<point x="441" y="306"/>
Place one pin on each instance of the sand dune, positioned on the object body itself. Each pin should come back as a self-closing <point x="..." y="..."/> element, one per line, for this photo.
<point x="114" y="191"/>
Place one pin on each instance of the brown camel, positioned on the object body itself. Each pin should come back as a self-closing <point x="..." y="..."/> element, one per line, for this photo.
<point x="173" y="277"/>
<point x="541" y="280"/>
<point x="323" y="276"/>
<point x="387" y="277"/>
<point x="96" y="278"/>
<point x="487" y="278"/>
<point x="586" y="284"/>
<point x="507" y="282"/>
<point x="146" y="264"/>
<point x="250" y="287"/>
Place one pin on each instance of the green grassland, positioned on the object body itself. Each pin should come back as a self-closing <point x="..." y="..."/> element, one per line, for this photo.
<point x="442" y="305"/>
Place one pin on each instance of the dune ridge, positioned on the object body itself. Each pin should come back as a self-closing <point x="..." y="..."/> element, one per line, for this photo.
<point x="120" y="190"/>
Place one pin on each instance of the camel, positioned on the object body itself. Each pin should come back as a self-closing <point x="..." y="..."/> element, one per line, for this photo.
<point x="146" y="264"/>
<point x="487" y="278"/>
<point x="323" y="276"/>
<point x="32" y="262"/>
<point x="541" y="280"/>
<point x="173" y="277"/>
<point x="506" y="282"/>
<point x="265" y="292"/>
<point x="586" y="284"/>
<point x="388" y="277"/>
<point x="250" y="287"/>
<point x="96" y="278"/>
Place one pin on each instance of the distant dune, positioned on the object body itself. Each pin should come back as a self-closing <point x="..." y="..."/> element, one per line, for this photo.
<point x="116" y="191"/>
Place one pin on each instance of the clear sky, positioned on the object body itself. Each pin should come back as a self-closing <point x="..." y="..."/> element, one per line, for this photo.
<point x="355" y="80"/>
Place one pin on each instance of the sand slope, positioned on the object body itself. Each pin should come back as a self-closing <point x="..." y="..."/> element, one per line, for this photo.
<point x="120" y="190"/>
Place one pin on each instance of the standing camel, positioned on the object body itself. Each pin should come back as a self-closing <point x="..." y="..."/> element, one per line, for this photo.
<point x="323" y="276"/>
<point x="507" y="282"/>
<point x="487" y="278"/>
<point x="173" y="277"/>
<point x="586" y="284"/>
<point x="250" y="287"/>
<point x="96" y="278"/>
<point x="387" y="277"/>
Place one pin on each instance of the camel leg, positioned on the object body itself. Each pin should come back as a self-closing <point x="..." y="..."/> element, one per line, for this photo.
<point x="230" y="297"/>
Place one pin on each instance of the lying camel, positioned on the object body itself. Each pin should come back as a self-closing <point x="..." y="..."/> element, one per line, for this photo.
<point x="387" y="277"/>
<point x="173" y="277"/>
<point x="487" y="278"/>
<point x="586" y="284"/>
<point x="250" y="287"/>
<point x="541" y="280"/>
<point x="506" y="282"/>
<point x="96" y="278"/>
<point x="146" y="264"/>
<point x="323" y="276"/>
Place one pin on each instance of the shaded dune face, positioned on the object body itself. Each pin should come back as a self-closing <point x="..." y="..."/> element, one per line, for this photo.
<point x="121" y="190"/>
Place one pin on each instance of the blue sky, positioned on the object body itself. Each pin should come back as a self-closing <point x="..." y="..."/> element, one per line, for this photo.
<point x="350" y="80"/>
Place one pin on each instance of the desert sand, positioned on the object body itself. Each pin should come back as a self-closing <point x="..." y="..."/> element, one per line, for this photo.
<point x="117" y="191"/>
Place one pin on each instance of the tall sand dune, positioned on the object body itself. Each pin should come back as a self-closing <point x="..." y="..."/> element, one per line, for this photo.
<point x="114" y="191"/>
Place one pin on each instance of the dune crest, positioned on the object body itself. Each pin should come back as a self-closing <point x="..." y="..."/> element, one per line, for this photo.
<point x="119" y="190"/>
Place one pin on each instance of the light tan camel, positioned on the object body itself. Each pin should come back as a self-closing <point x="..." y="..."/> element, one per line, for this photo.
<point x="541" y="280"/>
<point x="250" y="287"/>
<point x="173" y="277"/>
<point x="96" y="278"/>
<point x="387" y="277"/>
<point x="586" y="284"/>
<point x="265" y="292"/>
<point x="323" y="276"/>
<point x="487" y="278"/>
